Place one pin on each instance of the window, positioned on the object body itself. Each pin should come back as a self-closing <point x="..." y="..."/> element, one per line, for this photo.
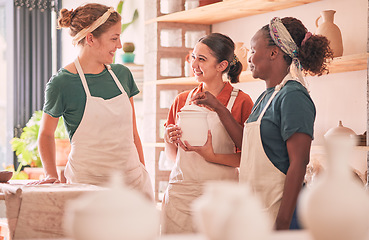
<point x="6" y="85"/>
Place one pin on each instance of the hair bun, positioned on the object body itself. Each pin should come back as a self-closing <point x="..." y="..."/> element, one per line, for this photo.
<point x="65" y="18"/>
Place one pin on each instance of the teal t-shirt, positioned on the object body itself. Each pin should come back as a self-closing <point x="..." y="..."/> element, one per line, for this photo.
<point x="65" y="95"/>
<point x="291" y="111"/>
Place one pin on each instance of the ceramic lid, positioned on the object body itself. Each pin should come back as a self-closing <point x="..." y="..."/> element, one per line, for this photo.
<point x="339" y="131"/>
<point x="193" y="108"/>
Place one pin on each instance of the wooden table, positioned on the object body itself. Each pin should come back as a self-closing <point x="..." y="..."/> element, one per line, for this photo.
<point x="280" y="235"/>
<point x="38" y="211"/>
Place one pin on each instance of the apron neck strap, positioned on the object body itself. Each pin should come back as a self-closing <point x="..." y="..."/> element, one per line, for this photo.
<point x="189" y="96"/>
<point x="267" y="105"/>
<point x="233" y="97"/>
<point x="82" y="76"/>
<point x="84" y="81"/>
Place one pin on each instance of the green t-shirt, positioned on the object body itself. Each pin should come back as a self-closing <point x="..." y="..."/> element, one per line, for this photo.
<point x="291" y="111"/>
<point x="65" y="95"/>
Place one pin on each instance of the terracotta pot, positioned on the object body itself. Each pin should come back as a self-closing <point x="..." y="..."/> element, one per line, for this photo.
<point x="62" y="150"/>
<point x="206" y="2"/>
<point x="330" y="31"/>
<point x="241" y="53"/>
<point x="336" y="206"/>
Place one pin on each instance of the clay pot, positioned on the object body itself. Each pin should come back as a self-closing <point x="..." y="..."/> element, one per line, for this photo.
<point x="5" y="176"/>
<point x="128" y="47"/>
<point x="62" y="150"/>
<point x="336" y="206"/>
<point x="330" y="31"/>
<point x="114" y="213"/>
<point x="241" y="53"/>
<point x="194" y="125"/>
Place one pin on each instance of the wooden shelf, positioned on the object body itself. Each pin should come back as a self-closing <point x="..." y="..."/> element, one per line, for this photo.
<point x="355" y="62"/>
<point x="356" y="148"/>
<point x="228" y="10"/>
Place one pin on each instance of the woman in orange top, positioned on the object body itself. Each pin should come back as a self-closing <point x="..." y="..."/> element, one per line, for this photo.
<point x="212" y="56"/>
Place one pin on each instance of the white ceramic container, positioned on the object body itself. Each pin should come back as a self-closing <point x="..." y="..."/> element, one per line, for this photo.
<point x="229" y="211"/>
<point x="115" y="214"/>
<point x="194" y="124"/>
<point x="336" y="206"/>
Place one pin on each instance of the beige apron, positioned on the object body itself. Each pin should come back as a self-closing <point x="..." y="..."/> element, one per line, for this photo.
<point x="191" y="171"/>
<point x="265" y="179"/>
<point x="103" y="142"/>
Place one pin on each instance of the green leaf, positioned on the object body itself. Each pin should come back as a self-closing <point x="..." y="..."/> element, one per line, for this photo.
<point x="120" y="7"/>
<point x="134" y="18"/>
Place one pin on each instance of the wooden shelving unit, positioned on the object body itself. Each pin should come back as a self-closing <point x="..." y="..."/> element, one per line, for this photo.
<point x="215" y="13"/>
<point x="355" y="62"/>
<point x="228" y="10"/>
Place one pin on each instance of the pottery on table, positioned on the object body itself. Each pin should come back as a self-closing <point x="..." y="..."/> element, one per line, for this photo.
<point x="336" y="206"/>
<point x="229" y="211"/>
<point x="241" y="52"/>
<point x="194" y="125"/>
<point x="331" y="31"/>
<point x="115" y="213"/>
<point x="5" y="176"/>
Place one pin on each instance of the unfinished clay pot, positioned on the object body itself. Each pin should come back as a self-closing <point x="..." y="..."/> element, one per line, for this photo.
<point x="336" y="206"/>
<point x="330" y="31"/>
<point x="115" y="213"/>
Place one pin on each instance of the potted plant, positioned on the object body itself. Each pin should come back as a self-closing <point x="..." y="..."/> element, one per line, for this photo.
<point x="26" y="149"/>
<point x="128" y="47"/>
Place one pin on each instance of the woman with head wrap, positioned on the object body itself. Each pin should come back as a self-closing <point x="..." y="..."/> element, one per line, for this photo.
<point x="277" y="136"/>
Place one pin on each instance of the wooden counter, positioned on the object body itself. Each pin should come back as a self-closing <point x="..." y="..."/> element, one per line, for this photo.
<point x="38" y="211"/>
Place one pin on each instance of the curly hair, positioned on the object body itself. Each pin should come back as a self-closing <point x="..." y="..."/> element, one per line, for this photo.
<point x="83" y="16"/>
<point x="314" y="54"/>
<point x="222" y="48"/>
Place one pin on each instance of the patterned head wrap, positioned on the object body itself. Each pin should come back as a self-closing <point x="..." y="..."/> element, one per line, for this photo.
<point x="101" y="20"/>
<point x="283" y="40"/>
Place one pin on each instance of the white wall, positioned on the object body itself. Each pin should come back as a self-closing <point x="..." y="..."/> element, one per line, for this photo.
<point x="134" y="33"/>
<point x="337" y="96"/>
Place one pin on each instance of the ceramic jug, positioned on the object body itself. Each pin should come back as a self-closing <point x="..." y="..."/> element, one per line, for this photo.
<point x="241" y="53"/>
<point x="330" y="31"/>
<point x="229" y="211"/>
<point x="336" y="206"/>
<point x="194" y="125"/>
<point x="115" y="213"/>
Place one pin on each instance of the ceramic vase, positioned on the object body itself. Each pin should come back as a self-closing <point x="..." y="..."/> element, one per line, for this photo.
<point x="194" y="125"/>
<point x="229" y="211"/>
<point x="336" y="206"/>
<point x="331" y="31"/>
<point x="241" y="53"/>
<point x="114" y="213"/>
